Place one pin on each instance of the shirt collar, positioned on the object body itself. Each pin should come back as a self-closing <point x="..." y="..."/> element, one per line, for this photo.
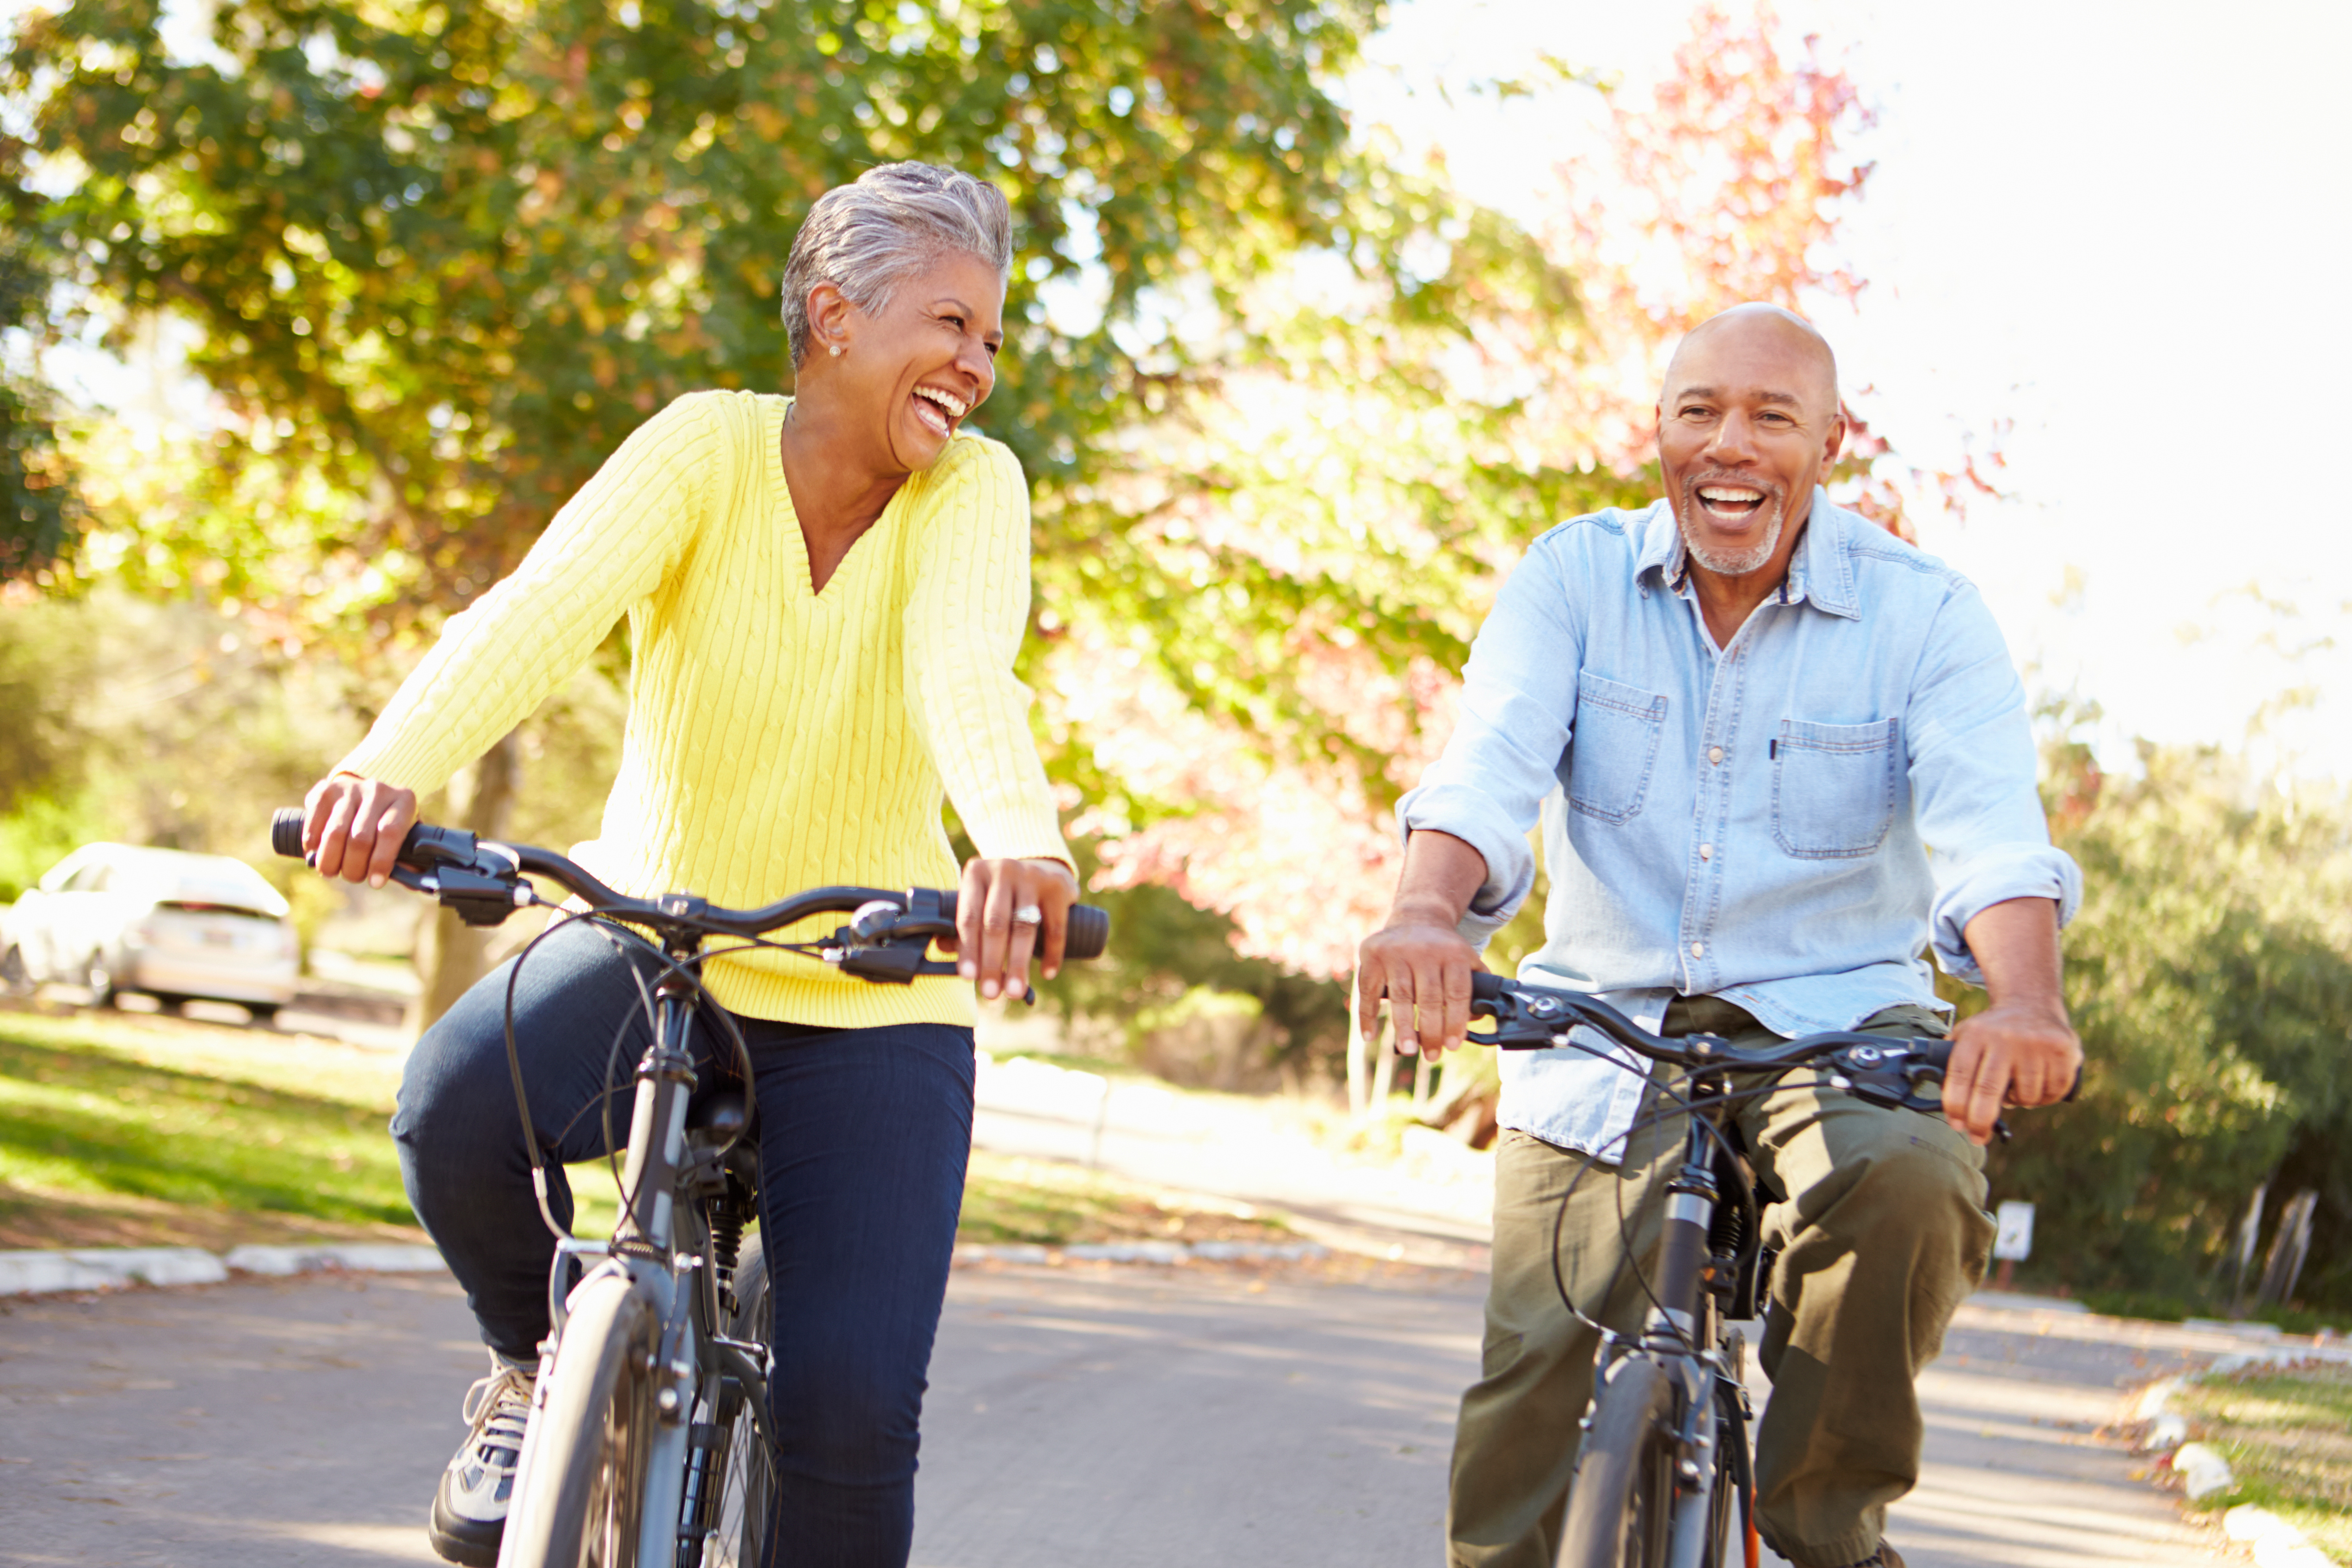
<point x="1820" y="572"/>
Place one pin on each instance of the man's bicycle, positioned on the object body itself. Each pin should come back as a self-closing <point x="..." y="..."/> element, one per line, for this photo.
<point x="649" y="1441"/>
<point x="1666" y="1456"/>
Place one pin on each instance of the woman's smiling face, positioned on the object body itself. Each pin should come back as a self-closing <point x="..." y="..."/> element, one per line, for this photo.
<point x="925" y="361"/>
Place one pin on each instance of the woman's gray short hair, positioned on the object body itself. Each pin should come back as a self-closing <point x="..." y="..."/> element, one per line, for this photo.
<point x="866" y="239"/>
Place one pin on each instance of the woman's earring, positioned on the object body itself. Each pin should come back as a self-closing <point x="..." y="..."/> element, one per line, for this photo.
<point x="835" y="350"/>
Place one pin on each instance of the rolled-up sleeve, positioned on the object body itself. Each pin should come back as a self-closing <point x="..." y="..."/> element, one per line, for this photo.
<point x="1517" y="711"/>
<point x="1972" y="783"/>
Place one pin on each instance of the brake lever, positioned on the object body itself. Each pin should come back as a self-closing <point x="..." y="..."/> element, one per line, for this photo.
<point x="1893" y="1077"/>
<point x="1515" y="1028"/>
<point x="897" y="961"/>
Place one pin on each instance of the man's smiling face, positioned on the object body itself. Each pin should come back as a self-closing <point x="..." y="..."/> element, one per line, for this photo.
<point x="1747" y="421"/>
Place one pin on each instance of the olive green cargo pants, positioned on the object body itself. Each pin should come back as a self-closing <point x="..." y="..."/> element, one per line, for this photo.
<point x="1881" y="1233"/>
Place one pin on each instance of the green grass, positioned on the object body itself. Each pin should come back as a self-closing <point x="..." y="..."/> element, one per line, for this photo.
<point x="2287" y="1434"/>
<point x="2157" y="1306"/>
<point x="110" y="1128"/>
<point x="130" y="1130"/>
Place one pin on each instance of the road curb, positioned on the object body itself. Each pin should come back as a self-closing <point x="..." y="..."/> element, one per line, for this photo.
<point x="1161" y="1252"/>
<point x="29" y="1274"/>
<point x="107" y="1267"/>
<point x="112" y="1267"/>
<point x="2205" y="1473"/>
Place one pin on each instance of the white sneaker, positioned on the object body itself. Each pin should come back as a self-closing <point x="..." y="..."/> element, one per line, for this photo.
<point x="469" y="1509"/>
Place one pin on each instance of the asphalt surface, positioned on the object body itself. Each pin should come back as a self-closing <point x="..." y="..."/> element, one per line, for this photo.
<point x="1099" y="1415"/>
<point x="1093" y="1414"/>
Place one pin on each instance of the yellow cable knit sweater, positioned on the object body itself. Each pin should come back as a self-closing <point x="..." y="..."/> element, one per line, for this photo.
<point x="778" y="738"/>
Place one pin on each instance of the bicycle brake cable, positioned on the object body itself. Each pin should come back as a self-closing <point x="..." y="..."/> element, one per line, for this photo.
<point x="1683" y="1106"/>
<point x="618" y="932"/>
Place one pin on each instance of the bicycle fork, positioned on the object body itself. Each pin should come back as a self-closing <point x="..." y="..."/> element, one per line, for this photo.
<point x="1681" y="1333"/>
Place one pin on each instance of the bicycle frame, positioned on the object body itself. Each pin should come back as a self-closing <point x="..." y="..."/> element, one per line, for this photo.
<point x="705" y="1380"/>
<point x="1710" y="1254"/>
<point x="1686" y="1334"/>
<point x="674" y="1183"/>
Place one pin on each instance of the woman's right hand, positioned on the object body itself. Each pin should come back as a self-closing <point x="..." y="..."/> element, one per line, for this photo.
<point x="352" y="828"/>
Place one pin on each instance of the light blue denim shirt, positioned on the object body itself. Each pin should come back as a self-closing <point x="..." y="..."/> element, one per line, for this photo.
<point x="1788" y="822"/>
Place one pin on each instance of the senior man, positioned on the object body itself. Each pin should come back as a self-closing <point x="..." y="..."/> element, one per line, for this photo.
<point x="1776" y="754"/>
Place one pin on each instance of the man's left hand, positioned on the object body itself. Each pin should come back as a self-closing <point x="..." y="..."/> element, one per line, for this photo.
<point x="2014" y="1054"/>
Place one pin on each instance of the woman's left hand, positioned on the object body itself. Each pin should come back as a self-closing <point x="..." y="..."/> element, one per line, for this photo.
<point x="1007" y="911"/>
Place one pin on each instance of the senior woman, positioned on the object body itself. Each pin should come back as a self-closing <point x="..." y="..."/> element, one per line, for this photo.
<point x="824" y="594"/>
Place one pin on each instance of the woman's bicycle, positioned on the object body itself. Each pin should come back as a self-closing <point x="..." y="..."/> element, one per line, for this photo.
<point x="650" y="1443"/>
<point x="1665" y="1452"/>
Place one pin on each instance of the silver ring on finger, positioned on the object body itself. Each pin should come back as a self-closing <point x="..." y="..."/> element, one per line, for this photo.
<point x="1028" y="914"/>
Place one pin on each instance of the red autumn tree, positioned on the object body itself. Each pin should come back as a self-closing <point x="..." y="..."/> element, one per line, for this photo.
<point x="1376" y="482"/>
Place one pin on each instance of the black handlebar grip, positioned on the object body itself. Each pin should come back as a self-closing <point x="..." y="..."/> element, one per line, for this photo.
<point x="1486" y="986"/>
<point x="286" y="832"/>
<point x="1088" y="934"/>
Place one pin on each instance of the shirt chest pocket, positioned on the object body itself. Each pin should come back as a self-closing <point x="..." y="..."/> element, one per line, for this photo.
<point x="1607" y="769"/>
<point x="1834" y="786"/>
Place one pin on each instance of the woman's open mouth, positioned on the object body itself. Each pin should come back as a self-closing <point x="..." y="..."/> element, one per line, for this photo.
<point x="939" y="409"/>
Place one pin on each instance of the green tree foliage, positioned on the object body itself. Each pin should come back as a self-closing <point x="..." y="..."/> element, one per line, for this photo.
<point x="446" y="255"/>
<point x="43" y="667"/>
<point x="37" y="509"/>
<point x="150" y="723"/>
<point x="2210" y="972"/>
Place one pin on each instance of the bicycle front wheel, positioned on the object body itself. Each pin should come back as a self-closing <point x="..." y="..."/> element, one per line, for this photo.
<point x="581" y="1502"/>
<point x="1621" y="1501"/>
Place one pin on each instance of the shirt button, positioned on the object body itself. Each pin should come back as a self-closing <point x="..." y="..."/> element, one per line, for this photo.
<point x="1699" y="949"/>
<point x="1707" y="852"/>
<point x="1715" y="754"/>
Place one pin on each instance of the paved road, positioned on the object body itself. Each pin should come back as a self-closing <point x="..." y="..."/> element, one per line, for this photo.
<point x="1432" y="1205"/>
<point x="2017" y="1476"/>
<point x="1106" y="1416"/>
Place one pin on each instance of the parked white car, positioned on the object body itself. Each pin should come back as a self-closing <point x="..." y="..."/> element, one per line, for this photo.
<point x="176" y="926"/>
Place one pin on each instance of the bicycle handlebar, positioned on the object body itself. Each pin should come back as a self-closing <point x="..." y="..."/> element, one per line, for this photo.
<point x="1882" y="1070"/>
<point x="482" y="881"/>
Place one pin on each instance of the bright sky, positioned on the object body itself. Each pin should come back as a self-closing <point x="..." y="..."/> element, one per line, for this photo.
<point x="2120" y="227"/>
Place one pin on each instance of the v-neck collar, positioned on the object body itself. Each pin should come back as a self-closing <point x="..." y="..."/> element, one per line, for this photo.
<point x="780" y="506"/>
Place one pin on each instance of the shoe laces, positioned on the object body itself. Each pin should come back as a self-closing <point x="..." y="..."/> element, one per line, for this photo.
<point x="496" y="1408"/>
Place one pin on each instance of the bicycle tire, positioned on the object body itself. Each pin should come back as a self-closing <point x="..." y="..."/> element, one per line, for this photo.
<point x="1621" y="1499"/>
<point x="746" y="1473"/>
<point x="580" y="1503"/>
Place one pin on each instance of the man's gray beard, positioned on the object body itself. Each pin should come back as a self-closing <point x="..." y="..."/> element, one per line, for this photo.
<point x="1736" y="563"/>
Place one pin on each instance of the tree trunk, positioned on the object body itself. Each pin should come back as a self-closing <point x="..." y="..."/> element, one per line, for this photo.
<point x="450" y="953"/>
<point x="1359" y="1065"/>
<point x="1383" y="1076"/>
<point x="2289" y="1247"/>
<point x="2249" y="1231"/>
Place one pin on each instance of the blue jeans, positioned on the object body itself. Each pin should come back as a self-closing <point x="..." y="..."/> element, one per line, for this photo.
<point x="863" y="1135"/>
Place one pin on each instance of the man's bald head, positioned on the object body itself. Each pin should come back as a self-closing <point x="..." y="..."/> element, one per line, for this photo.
<point x="1748" y="424"/>
<point x="1759" y="323"/>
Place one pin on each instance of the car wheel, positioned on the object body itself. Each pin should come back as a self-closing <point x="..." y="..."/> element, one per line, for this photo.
<point x="101" y="981"/>
<point x="15" y="978"/>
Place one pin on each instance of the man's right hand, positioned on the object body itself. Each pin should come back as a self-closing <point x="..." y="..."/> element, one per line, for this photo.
<point x="1422" y="964"/>
<point x="352" y="828"/>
